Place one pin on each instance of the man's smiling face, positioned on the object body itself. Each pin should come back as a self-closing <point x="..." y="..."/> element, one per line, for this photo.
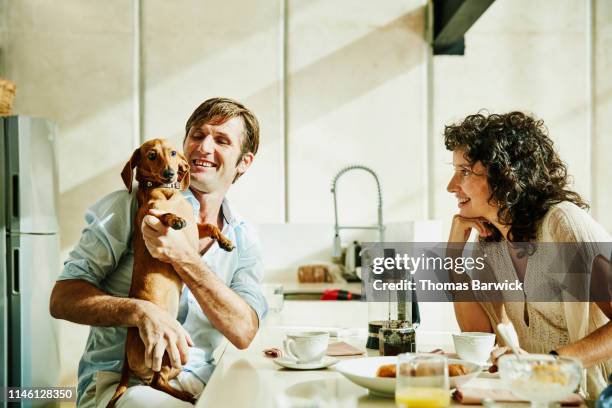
<point x="214" y="152"/>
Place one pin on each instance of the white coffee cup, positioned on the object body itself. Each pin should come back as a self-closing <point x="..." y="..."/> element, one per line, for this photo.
<point x="306" y="347"/>
<point x="474" y="346"/>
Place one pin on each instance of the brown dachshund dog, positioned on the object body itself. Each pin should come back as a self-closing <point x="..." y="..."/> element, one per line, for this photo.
<point x="162" y="173"/>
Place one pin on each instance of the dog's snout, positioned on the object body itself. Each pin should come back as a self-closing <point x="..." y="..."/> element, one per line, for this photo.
<point x="168" y="173"/>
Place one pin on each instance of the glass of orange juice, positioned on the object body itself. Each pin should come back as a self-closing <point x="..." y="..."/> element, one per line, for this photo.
<point x="422" y="381"/>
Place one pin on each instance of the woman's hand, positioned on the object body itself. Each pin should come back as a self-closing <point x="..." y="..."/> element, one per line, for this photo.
<point x="497" y="352"/>
<point x="462" y="226"/>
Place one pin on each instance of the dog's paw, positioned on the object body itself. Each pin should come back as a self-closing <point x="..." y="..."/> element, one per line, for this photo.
<point x="172" y="221"/>
<point x="178" y="223"/>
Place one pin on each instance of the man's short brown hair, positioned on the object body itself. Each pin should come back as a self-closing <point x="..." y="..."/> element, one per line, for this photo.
<point x="218" y="110"/>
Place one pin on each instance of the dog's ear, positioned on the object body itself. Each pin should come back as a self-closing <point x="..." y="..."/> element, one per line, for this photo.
<point x="184" y="172"/>
<point x="127" y="174"/>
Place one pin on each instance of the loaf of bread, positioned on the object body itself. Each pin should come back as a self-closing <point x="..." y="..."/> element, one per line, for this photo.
<point x="314" y="274"/>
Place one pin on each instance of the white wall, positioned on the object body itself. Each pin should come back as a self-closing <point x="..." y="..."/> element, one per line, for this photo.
<point x="355" y="96"/>
<point x="356" y="92"/>
<point x="602" y="98"/>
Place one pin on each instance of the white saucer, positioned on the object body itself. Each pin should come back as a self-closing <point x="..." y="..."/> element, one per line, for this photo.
<point x="288" y="362"/>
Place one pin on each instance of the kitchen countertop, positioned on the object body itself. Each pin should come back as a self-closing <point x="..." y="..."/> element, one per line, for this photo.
<point x="304" y="291"/>
<point x="314" y="287"/>
<point x="246" y="378"/>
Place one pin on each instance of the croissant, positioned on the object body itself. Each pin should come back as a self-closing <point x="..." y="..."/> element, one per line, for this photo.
<point x="457" y="369"/>
<point x="387" y="370"/>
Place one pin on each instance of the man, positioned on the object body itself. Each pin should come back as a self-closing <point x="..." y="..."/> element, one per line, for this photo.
<point x="222" y="295"/>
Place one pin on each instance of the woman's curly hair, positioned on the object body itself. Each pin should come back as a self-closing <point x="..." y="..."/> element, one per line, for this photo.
<point x="524" y="172"/>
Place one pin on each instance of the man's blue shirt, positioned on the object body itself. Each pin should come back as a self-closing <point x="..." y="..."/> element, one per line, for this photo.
<point x="104" y="258"/>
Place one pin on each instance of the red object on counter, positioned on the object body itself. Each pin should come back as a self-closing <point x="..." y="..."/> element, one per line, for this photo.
<point x="338" y="294"/>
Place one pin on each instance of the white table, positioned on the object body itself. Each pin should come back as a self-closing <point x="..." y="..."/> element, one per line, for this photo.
<point x="246" y="378"/>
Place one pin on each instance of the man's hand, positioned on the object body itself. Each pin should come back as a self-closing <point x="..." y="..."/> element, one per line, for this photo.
<point x="166" y="244"/>
<point x="161" y="332"/>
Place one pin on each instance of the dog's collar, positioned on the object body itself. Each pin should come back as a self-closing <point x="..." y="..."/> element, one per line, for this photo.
<point x="150" y="185"/>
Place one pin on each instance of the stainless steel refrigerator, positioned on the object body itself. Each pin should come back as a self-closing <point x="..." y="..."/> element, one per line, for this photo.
<point x="29" y="248"/>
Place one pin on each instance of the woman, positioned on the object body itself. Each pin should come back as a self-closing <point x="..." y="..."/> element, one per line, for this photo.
<point x="511" y="187"/>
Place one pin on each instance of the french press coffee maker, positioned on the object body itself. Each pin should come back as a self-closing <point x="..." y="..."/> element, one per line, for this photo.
<point x="393" y="316"/>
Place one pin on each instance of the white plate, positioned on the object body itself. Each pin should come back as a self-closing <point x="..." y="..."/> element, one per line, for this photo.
<point x="362" y="371"/>
<point x="288" y="362"/>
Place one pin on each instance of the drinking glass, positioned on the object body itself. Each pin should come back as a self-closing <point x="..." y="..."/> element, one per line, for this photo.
<point x="540" y="378"/>
<point x="422" y="381"/>
<point x="273" y="292"/>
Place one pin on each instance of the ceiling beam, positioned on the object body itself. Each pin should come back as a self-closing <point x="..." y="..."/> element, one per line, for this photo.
<point x="452" y="19"/>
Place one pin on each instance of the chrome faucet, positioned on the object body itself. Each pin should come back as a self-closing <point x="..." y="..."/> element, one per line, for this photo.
<point x="337" y="248"/>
